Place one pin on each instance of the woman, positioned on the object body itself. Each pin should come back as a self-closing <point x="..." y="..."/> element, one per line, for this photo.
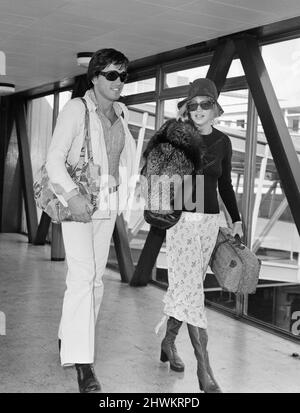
<point x="191" y="241"/>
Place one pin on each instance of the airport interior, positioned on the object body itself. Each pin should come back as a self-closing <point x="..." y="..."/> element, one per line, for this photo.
<point x="251" y="50"/>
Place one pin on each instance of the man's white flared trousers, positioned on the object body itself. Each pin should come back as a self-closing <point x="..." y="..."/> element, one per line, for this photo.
<point x="87" y="249"/>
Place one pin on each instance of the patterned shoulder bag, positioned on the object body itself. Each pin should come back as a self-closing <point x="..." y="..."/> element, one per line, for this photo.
<point x="86" y="175"/>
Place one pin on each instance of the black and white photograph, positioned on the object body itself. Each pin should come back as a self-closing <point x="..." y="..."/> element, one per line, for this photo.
<point x="149" y="200"/>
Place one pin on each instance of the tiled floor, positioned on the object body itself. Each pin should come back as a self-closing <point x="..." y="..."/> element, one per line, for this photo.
<point x="245" y="359"/>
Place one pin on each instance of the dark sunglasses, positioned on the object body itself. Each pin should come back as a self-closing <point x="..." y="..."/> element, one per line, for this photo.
<point x="205" y="105"/>
<point x="113" y="75"/>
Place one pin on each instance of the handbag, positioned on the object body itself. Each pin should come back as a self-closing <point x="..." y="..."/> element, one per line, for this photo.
<point x="235" y="266"/>
<point x="86" y="175"/>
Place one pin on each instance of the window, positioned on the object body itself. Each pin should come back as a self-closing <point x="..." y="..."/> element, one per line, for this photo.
<point x="236" y="69"/>
<point x="40" y="116"/>
<point x="170" y="108"/>
<point x="276" y="241"/>
<point x="39" y="120"/>
<point x="240" y="123"/>
<point x="141" y="86"/>
<point x="184" y="77"/>
<point x="142" y="126"/>
<point x="40" y="126"/>
<point x="296" y="125"/>
<point x="64" y="97"/>
<point x="282" y="61"/>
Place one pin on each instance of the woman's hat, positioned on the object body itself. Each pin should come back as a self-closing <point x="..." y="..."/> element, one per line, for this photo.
<point x="202" y="87"/>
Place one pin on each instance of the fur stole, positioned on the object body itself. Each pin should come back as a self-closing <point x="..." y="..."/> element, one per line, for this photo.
<point x="181" y="136"/>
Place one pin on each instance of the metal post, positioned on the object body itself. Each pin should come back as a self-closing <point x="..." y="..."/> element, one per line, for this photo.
<point x="258" y="196"/>
<point x="159" y="110"/>
<point x="122" y="249"/>
<point x="248" y="190"/>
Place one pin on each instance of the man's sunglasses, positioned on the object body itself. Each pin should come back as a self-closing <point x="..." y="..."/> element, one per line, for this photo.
<point x="205" y="105"/>
<point x="113" y="75"/>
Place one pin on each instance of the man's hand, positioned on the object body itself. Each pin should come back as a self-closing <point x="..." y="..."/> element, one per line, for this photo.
<point x="80" y="208"/>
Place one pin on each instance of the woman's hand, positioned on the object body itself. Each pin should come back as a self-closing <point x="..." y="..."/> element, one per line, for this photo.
<point x="80" y="208"/>
<point x="237" y="229"/>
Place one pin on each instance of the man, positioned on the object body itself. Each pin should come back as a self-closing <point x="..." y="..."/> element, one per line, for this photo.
<point x="87" y="238"/>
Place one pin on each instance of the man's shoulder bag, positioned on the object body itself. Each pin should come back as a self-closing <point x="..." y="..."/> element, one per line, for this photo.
<point x="85" y="174"/>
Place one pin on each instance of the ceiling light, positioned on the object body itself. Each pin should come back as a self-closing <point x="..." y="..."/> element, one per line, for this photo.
<point x="6" y="89"/>
<point x="83" y="58"/>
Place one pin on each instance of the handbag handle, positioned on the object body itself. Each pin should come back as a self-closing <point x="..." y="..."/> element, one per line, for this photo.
<point x="234" y="241"/>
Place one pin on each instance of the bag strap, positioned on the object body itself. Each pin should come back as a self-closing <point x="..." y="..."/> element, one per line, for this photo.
<point x="87" y="135"/>
<point x="86" y="145"/>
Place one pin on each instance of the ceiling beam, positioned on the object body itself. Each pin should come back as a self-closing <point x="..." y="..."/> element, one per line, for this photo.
<point x="270" y="33"/>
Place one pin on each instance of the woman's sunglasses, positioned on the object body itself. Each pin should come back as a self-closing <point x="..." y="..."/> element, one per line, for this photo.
<point x="113" y="75"/>
<point x="205" y="105"/>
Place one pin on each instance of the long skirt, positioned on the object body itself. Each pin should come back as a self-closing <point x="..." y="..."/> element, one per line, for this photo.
<point x="189" y="246"/>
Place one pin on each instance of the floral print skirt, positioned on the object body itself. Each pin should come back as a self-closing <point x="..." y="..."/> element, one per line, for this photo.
<point x="189" y="246"/>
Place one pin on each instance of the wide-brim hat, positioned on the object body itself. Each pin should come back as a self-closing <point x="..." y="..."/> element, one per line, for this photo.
<point x="202" y="87"/>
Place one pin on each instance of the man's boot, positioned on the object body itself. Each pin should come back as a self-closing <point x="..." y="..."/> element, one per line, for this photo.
<point x="87" y="380"/>
<point x="168" y="348"/>
<point x="206" y="379"/>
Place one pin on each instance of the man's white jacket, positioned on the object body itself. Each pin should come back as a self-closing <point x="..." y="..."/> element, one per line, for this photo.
<point x="67" y="142"/>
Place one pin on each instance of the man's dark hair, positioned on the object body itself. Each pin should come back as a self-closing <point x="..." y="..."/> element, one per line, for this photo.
<point x="103" y="58"/>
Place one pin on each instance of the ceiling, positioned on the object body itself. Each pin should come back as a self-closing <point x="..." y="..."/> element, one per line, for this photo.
<point x="42" y="37"/>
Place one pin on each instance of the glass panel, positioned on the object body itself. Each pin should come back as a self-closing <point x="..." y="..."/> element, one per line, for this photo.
<point x="184" y="77"/>
<point x="40" y="129"/>
<point x="39" y="121"/>
<point x="217" y="296"/>
<point x="235" y="106"/>
<point x="141" y="118"/>
<point x="170" y="108"/>
<point x="139" y="115"/>
<point x="141" y="86"/>
<point x="40" y="118"/>
<point x="276" y="241"/>
<point x="236" y="69"/>
<point x="283" y="64"/>
<point x="64" y="97"/>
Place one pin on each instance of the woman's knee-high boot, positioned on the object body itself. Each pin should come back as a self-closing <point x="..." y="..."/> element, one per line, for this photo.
<point x="206" y="379"/>
<point x="168" y="348"/>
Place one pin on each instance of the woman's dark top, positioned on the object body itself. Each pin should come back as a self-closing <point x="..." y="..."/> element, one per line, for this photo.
<point x="217" y="174"/>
